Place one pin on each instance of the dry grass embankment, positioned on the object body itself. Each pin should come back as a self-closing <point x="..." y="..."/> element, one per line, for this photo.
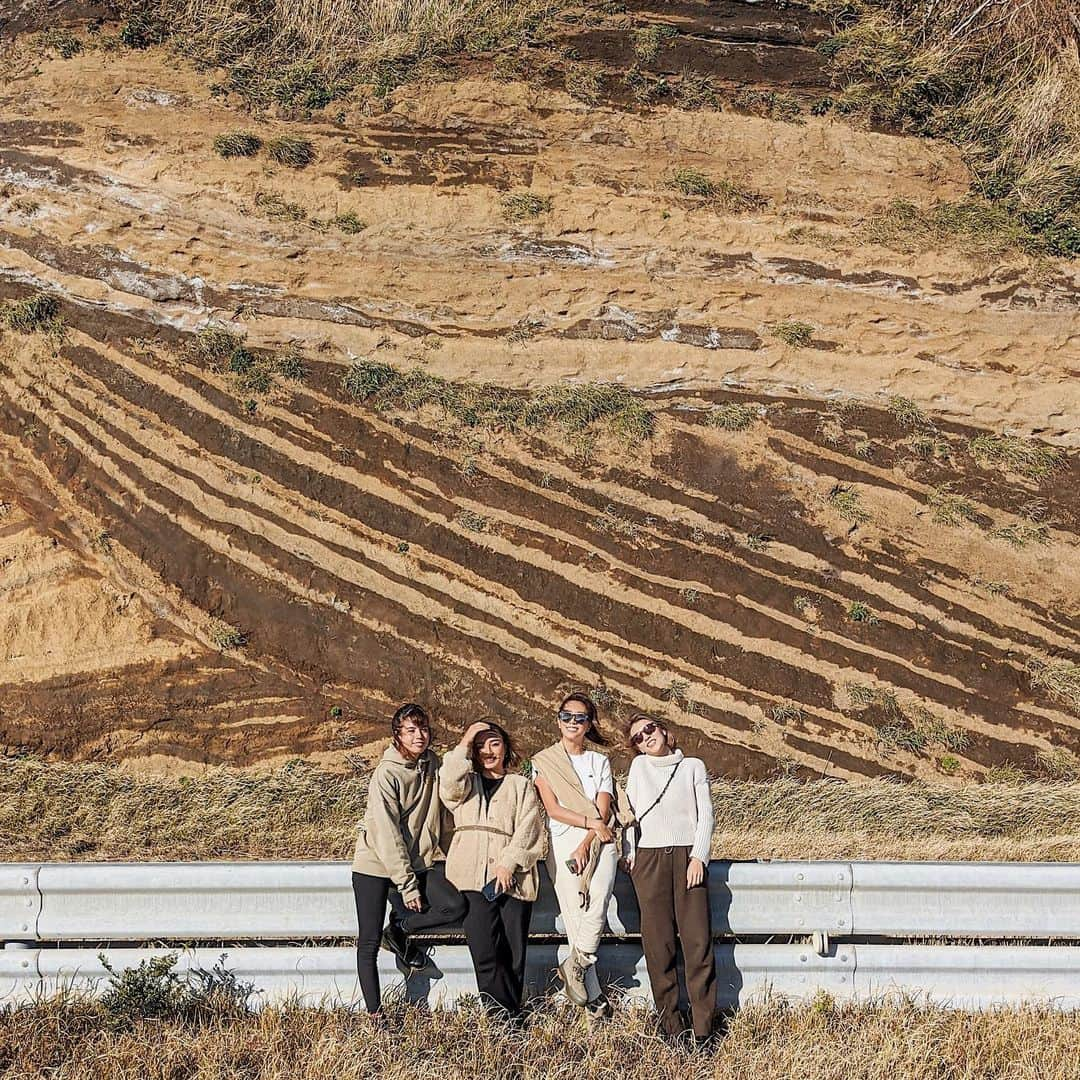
<point x="100" y="812"/>
<point x="336" y="37"/>
<point x="815" y="1041"/>
<point x="1000" y="79"/>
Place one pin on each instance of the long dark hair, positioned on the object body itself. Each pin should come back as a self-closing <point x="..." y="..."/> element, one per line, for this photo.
<point x="593" y="733"/>
<point x="510" y="758"/>
<point x="409" y="711"/>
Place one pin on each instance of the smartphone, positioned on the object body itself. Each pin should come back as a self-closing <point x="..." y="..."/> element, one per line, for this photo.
<point x="572" y="866"/>
<point x="488" y="891"/>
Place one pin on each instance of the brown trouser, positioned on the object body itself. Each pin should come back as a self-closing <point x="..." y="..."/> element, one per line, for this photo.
<point x="673" y="914"/>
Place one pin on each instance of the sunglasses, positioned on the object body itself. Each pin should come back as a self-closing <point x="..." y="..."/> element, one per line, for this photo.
<point x="566" y="717"/>
<point x="644" y="733"/>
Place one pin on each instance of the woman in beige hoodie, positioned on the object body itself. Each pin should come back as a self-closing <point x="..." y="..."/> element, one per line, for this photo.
<point x="498" y="840"/>
<point x="396" y="848"/>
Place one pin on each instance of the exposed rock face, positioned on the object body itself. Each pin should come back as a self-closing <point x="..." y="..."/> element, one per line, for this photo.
<point x="370" y="556"/>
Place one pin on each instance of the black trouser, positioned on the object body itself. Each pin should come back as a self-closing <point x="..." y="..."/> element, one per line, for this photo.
<point x="498" y="934"/>
<point x="444" y="906"/>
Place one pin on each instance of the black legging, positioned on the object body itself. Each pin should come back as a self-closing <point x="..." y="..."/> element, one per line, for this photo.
<point x="444" y="907"/>
<point x="498" y="935"/>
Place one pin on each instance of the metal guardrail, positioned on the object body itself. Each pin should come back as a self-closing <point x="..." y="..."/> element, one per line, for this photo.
<point x="53" y="904"/>
<point x="287" y="901"/>
<point x="970" y="977"/>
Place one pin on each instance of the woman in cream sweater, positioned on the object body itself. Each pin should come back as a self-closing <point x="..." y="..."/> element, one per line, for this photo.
<point x="667" y="853"/>
<point x="498" y="840"/>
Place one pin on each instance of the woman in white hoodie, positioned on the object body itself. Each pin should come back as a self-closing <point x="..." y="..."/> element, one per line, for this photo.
<point x="667" y="853"/>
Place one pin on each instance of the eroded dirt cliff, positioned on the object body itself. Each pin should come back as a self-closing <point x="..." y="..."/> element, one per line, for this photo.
<point x="806" y="584"/>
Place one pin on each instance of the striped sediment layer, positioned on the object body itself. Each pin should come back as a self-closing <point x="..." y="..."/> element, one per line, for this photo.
<point x="823" y="577"/>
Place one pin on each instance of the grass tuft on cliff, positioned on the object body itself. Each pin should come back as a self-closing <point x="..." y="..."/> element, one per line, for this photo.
<point x="573" y="407"/>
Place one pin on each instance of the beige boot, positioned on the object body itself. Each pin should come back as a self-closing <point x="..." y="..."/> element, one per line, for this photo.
<point x="572" y="972"/>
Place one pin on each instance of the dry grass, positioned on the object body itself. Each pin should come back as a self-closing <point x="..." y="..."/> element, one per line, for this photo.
<point x="1059" y="678"/>
<point x="379" y="37"/>
<point x="847" y="503"/>
<point x="818" y="1040"/>
<point x="1000" y="79"/>
<point x="237" y="144"/>
<point x="573" y="408"/>
<point x="721" y="194"/>
<point x="732" y="416"/>
<point x="1026" y="457"/>
<point x="102" y="812"/>
<point x="292" y="151"/>
<point x="522" y="205"/>
<point x="950" y="508"/>
<point x="793" y="332"/>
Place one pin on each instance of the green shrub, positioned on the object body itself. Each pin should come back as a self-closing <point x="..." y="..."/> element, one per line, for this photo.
<point x="291" y="150"/>
<point x="572" y="407"/>
<point x="793" y="332"/>
<point x="519" y="205"/>
<point x="731" y="416"/>
<point x="152" y="990"/>
<point x="61" y="41"/>
<point x="861" y="613"/>
<point x="237" y="144"/>
<point x="349" y="223"/>
<point x="39" y="313"/>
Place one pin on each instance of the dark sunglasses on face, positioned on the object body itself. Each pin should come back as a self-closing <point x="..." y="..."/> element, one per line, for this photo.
<point x="566" y="717"/>
<point x="644" y="733"/>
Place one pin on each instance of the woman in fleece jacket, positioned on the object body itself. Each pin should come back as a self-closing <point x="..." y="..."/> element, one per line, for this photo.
<point x="667" y="853"/>
<point x="396" y="848"/>
<point x="498" y="840"/>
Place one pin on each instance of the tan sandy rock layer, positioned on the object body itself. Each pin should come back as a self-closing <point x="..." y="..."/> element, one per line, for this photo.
<point x="333" y="536"/>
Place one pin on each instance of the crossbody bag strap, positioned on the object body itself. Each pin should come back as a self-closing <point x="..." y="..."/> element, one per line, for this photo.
<point x="641" y="816"/>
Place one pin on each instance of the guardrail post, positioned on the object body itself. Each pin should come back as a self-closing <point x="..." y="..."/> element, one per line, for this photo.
<point x="20" y="902"/>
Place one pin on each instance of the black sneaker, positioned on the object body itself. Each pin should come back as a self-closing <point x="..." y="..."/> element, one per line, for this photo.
<point x="395" y="940"/>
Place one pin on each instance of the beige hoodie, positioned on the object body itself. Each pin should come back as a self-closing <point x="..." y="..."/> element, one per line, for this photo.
<point x="509" y="833"/>
<point x="401" y="831"/>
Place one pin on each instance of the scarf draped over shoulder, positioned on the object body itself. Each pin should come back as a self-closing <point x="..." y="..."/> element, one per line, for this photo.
<point x="556" y="768"/>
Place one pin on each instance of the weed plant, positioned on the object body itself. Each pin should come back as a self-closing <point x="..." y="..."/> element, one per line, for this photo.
<point x="572" y="408"/>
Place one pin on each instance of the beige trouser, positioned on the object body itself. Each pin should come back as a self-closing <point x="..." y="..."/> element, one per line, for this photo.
<point x="584" y="926"/>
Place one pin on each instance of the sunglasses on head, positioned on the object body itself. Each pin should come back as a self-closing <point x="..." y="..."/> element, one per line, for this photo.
<point x="644" y="733"/>
<point x="566" y="717"/>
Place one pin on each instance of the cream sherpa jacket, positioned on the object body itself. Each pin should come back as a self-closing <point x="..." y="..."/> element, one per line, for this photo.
<point x="509" y="832"/>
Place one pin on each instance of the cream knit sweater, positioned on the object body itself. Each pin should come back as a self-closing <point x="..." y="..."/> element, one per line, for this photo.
<point x="683" y="818"/>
